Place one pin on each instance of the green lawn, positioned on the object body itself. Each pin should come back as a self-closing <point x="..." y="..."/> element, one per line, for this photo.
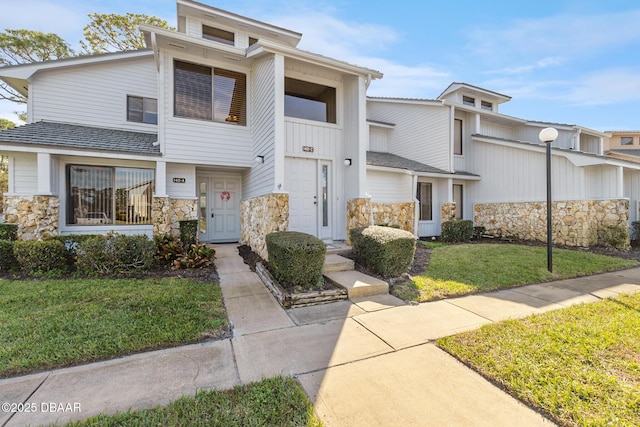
<point x="463" y="269"/>
<point x="53" y="323"/>
<point x="278" y="401"/>
<point x="580" y="365"/>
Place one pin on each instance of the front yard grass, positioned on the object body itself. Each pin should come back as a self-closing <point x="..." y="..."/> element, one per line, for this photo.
<point x="580" y="365"/>
<point x="455" y="270"/>
<point x="54" y="323"/>
<point x="278" y="401"/>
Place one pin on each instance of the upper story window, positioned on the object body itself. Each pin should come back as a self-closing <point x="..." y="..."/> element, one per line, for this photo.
<point x="218" y="35"/>
<point x="626" y="140"/>
<point x="467" y="100"/>
<point x="142" y="110"/>
<point x="457" y="137"/>
<point x="252" y="41"/>
<point x="485" y="105"/>
<point x="207" y="93"/>
<point x="311" y="101"/>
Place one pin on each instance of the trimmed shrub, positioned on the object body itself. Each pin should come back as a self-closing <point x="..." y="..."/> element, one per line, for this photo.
<point x="478" y="231"/>
<point x="7" y="258"/>
<point x="40" y="257"/>
<point x="386" y="251"/>
<point x="115" y="254"/>
<point x="296" y="258"/>
<point x="8" y="231"/>
<point x="189" y="232"/>
<point x="71" y="242"/>
<point x="616" y="236"/>
<point x="457" y="230"/>
<point x="635" y="225"/>
<point x="168" y="249"/>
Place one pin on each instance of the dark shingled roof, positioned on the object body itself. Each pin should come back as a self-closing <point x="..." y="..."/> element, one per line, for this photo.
<point x="375" y="158"/>
<point x="627" y="152"/>
<point x="83" y="137"/>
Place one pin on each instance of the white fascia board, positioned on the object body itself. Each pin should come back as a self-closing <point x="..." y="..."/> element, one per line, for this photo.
<point x="324" y="61"/>
<point x="410" y="101"/>
<point x="25" y="71"/>
<point x="577" y="158"/>
<point x="201" y="11"/>
<point x="423" y="174"/>
<point x="31" y="148"/>
<point x="163" y="35"/>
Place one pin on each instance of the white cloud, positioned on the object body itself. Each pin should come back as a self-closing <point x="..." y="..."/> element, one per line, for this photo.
<point x="606" y="87"/>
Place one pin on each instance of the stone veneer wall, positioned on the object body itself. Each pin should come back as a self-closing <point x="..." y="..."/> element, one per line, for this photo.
<point x="359" y="214"/>
<point x="448" y="211"/>
<point x="37" y="216"/>
<point x="574" y="222"/>
<point x="166" y="214"/>
<point x="400" y="214"/>
<point x="260" y="216"/>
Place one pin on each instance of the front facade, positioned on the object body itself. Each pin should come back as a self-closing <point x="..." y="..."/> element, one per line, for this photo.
<point x="226" y="122"/>
<point x="223" y="120"/>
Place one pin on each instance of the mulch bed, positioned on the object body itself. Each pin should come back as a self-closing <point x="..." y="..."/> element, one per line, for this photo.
<point x="251" y="259"/>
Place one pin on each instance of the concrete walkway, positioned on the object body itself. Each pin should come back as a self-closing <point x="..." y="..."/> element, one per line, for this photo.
<point x="369" y="361"/>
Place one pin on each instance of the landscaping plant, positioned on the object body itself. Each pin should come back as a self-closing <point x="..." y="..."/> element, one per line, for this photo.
<point x="386" y="251"/>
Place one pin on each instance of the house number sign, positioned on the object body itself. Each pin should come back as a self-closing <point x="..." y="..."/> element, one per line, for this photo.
<point x="307" y="149"/>
<point x="179" y="180"/>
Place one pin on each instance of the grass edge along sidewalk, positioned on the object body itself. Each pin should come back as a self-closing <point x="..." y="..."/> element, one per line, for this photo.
<point x="50" y="324"/>
<point x="579" y="365"/>
<point x="462" y="269"/>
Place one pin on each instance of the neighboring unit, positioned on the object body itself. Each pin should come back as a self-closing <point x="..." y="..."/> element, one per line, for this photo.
<point x="226" y="121"/>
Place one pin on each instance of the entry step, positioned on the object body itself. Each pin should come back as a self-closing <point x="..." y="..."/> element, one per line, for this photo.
<point x="335" y="262"/>
<point x="359" y="284"/>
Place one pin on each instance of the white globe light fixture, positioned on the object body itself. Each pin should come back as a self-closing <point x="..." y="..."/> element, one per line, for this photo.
<point x="548" y="135"/>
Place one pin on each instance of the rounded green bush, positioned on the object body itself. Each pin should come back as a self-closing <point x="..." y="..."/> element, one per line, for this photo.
<point x="296" y="258"/>
<point x="385" y="250"/>
<point x="37" y="257"/>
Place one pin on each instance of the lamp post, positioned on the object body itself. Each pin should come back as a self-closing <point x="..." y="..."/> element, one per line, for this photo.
<point x="548" y="135"/>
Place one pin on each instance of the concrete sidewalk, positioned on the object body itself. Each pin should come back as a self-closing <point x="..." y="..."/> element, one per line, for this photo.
<point x="369" y="361"/>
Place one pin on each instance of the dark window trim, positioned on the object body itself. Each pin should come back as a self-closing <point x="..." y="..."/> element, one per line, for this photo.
<point x="218" y="35"/>
<point x="419" y="196"/>
<point x="149" y="116"/>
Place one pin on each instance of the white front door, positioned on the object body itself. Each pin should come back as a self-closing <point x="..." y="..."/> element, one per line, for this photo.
<point x="309" y="183"/>
<point x="219" y="208"/>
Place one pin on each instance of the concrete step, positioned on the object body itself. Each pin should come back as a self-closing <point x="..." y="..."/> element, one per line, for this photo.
<point x="337" y="246"/>
<point x="335" y="262"/>
<point x="359" y="284"/>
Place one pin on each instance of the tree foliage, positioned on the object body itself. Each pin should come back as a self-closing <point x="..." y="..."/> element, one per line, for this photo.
<point x="113" y="32"/>
<point x="25" y="46"/>
<point x="6" y="124"/>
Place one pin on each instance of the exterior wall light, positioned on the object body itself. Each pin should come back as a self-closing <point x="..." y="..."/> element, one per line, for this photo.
<point x="347" y="162"/>
<point x="259" y="159"/>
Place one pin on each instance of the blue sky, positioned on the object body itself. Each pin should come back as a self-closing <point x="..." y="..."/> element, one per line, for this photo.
<point x="566" y="61"/>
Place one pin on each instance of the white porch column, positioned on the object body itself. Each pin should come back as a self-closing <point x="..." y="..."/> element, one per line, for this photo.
<point x="161" y="179"/>
<point x="44" y="174"/>
<point x="620" y="183"/>
<point x="279" y="132"/>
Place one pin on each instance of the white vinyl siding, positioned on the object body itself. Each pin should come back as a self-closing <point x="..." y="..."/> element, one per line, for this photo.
<point x="25" y="173"/>
<point x="498" y="131"/>
<point x="181" y="190"/>
<point x="512" y="174"/>
<point x="260" y="179"/>
<point x="421" y="132"/>
<point x="387" y="187"/>
<point x="202" y="142"/>
<point x="95" y="94"/>
<point x="601" y="182"/>
<point x="378" y="139"/>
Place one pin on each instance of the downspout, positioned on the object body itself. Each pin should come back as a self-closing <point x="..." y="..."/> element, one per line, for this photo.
<point x="416" y="207"/>
<point x="452" y="116"/>
<point x="576" y="140"/>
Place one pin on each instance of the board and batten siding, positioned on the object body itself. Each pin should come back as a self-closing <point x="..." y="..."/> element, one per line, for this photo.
<point x="94" y="94"/>
<point x="260" y="179"/>
<point x="421" y="132"/>
<point x="387" y="187"/>
<point x="322" y="140"/>
<point x="511" y="174"/>
<point x="532" y="134"/>
<point x="203" y="142"/>
<point x="601" y="182"/>
<point x="498" y="131"/>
